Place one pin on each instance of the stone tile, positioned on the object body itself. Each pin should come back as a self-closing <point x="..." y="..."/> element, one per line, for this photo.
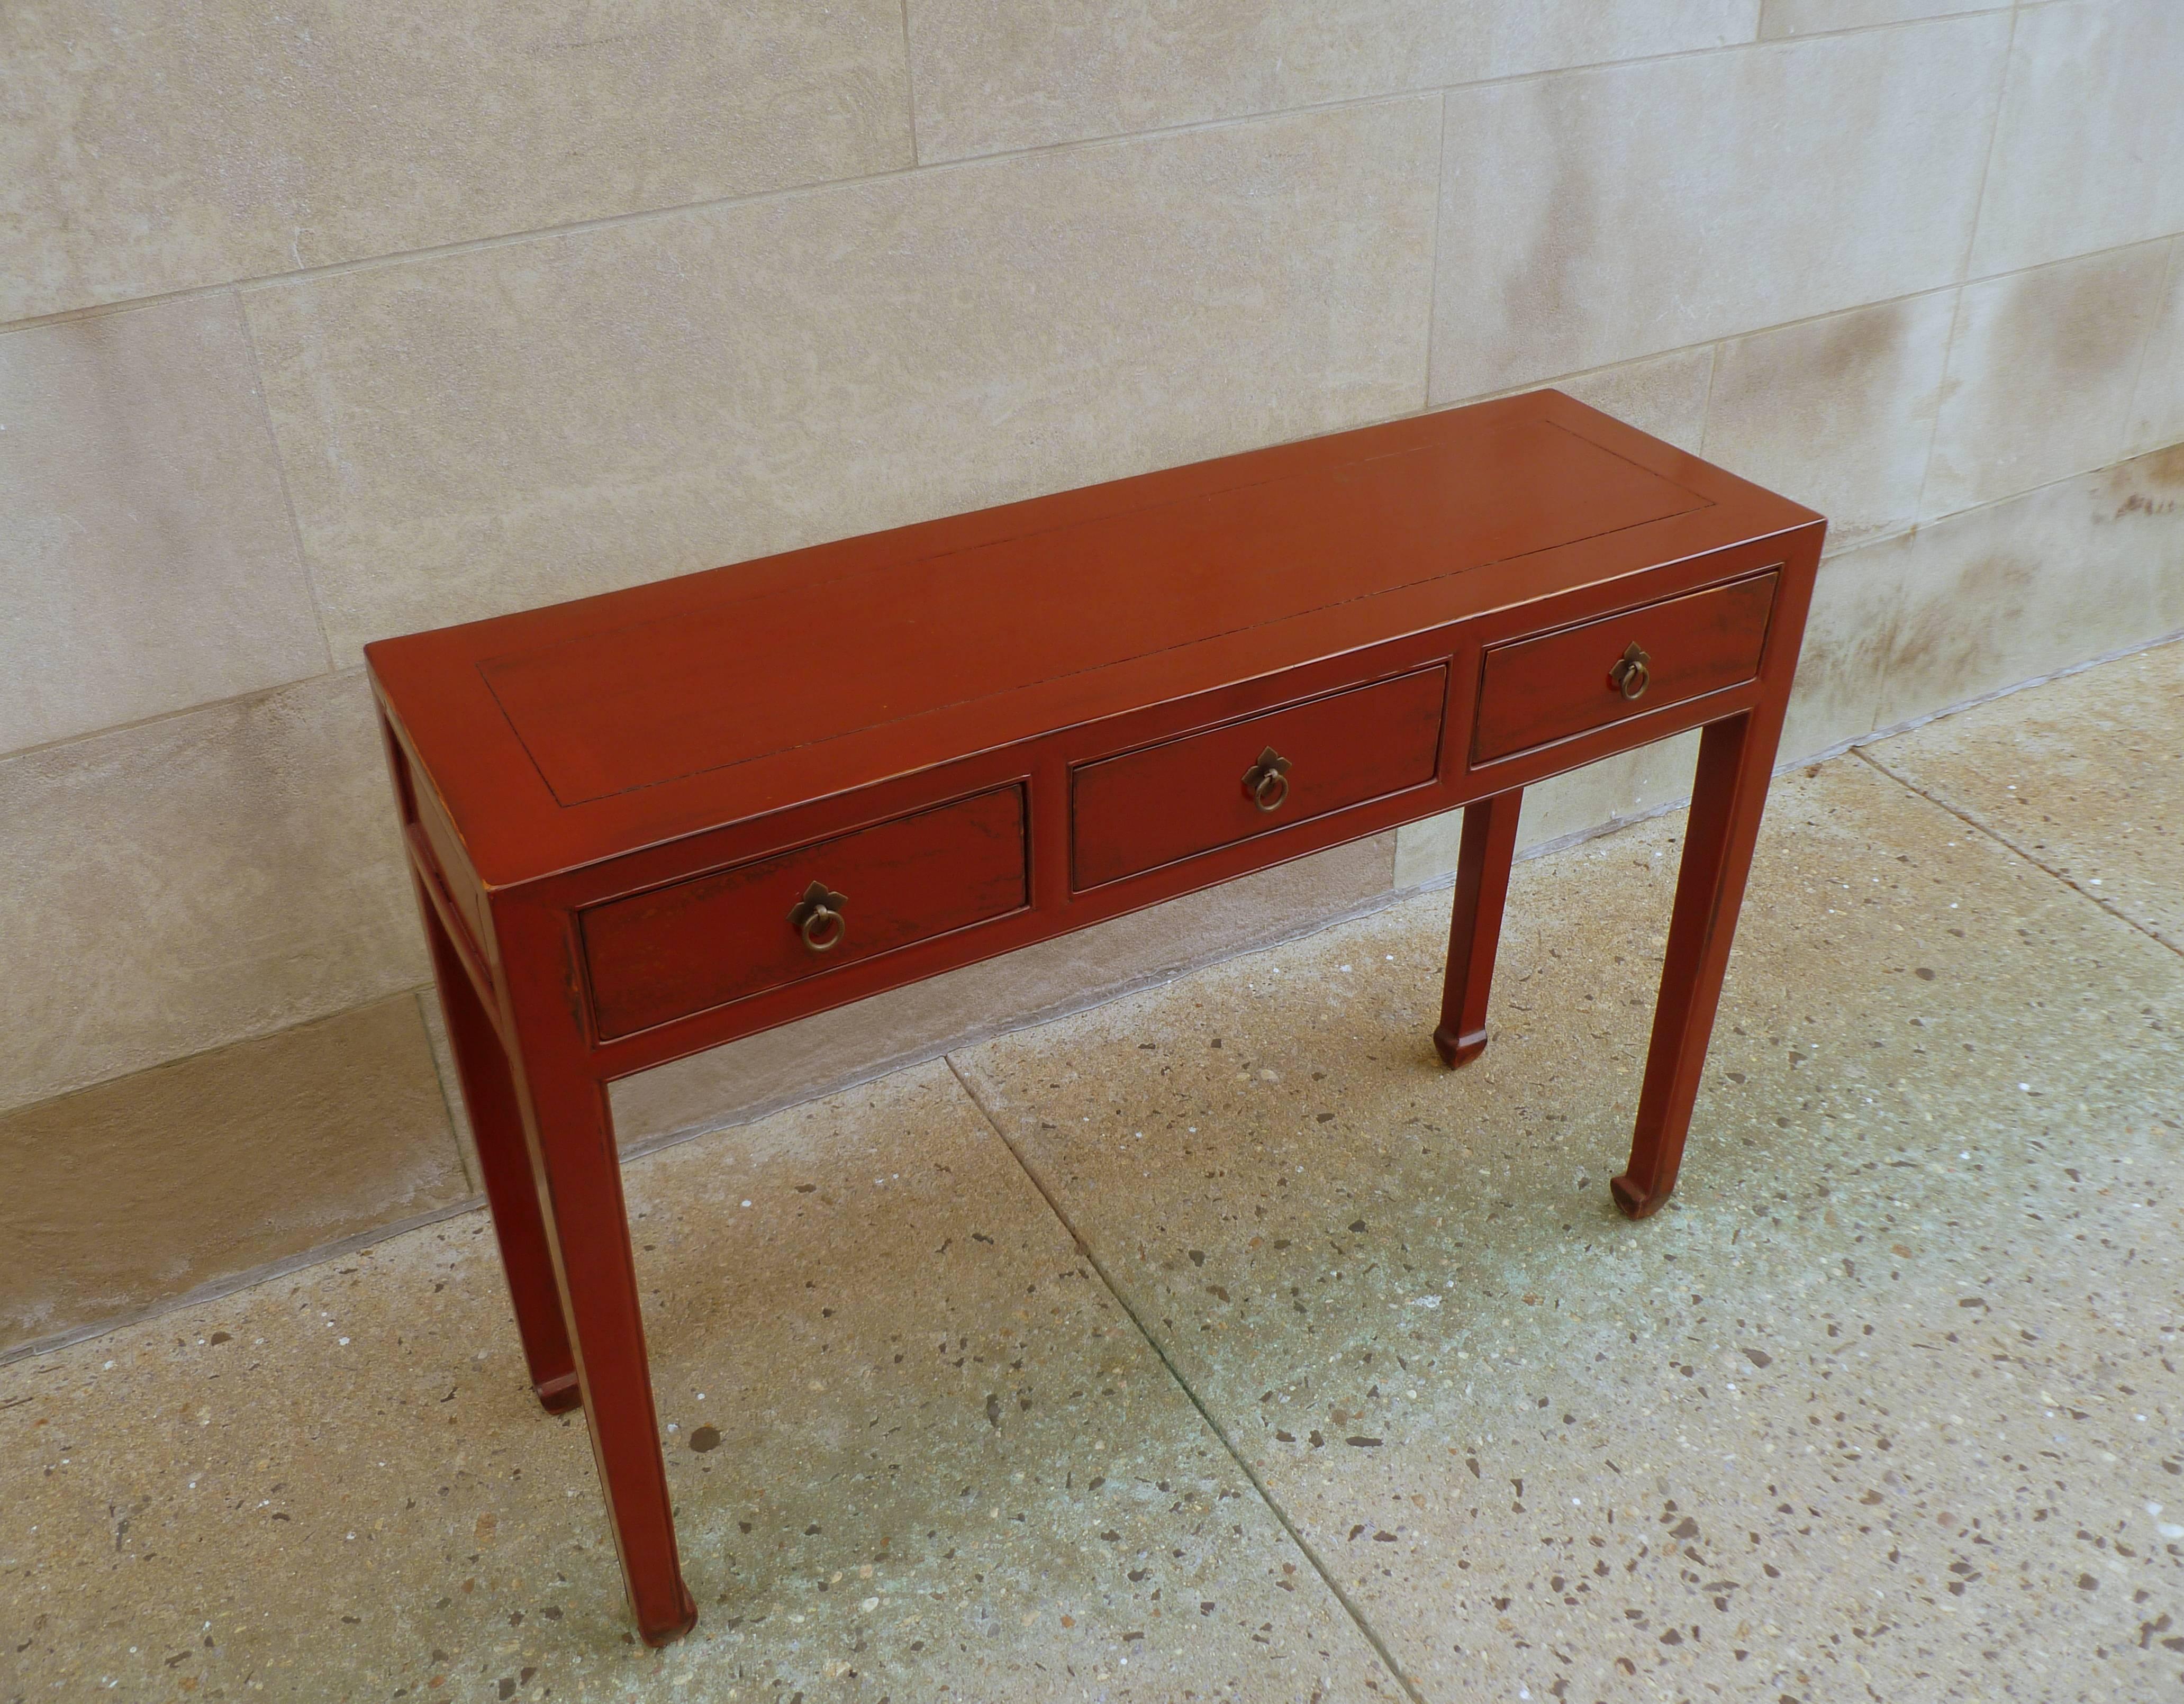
<point x="2090" y="122"/>
<point x="1593" y="217"/>
<point x="1615" y="790"/>
<point x="1981" y="606"/>
<point x="2079" y="775"/>
<point x="200" y="879"/>
<point x="1893" y="1337"/>
<point x="1026" y="75"/>
<point x="945" y="1453"/>
<point x="476" y="432"/>
<point x="1837" y="412"/>
<point x="1780" y="18"/>
<point x="198" y="144"/>
<point x="148" y="563"/>
<point x="147" y="1186"/>
<point x="760" y="1073"/>
<point x="1665" y="396"/>
<point x="2157" y="408"/>
<point x="2041" y="371"/>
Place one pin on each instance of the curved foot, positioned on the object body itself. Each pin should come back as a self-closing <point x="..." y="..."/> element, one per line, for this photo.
<point x="558" y="1395"/>
<point x="1456" y="1050"/>
<point x="673" y="1630"/>
<point x="1633" y="1203"/>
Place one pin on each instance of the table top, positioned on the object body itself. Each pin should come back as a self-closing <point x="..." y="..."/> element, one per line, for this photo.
<point x="560" y="736"/>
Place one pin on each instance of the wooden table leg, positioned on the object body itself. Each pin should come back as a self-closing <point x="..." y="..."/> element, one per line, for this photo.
<point x="1736" y="760"/>
<point x="1475" y="925"/>
<point x="497" y="1129"/>
<point x="571" y="1128"/>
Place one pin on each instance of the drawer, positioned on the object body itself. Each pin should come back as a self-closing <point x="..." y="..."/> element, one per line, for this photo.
<point x="1534" y="692"/>
<point x="734" y="933"/>
<point x="1146" y="808"/>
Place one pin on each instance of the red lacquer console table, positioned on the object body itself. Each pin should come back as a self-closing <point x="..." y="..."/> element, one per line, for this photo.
<point x="648" y="823"/>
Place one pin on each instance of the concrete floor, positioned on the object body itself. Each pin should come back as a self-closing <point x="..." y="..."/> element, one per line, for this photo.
<point x="1216" y="1343"/>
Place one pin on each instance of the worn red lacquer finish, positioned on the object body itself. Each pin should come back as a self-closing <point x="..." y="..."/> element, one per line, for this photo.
<point x="648" y="823"/>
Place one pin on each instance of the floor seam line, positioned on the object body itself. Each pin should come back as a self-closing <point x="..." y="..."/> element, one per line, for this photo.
<point x="2008" y="845"/>
<point x="1280" y="1514"/>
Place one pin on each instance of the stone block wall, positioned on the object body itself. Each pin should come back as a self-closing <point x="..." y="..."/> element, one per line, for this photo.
<point x="331" y="323"/>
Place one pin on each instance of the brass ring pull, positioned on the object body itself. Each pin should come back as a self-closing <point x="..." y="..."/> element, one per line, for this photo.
<point x="817" y="916"/>
<point x="1266" y="783"/>
<point x="1631" y="675"/>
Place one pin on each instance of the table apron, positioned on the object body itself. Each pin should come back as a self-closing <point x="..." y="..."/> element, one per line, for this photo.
<point x="1055" y="911"/>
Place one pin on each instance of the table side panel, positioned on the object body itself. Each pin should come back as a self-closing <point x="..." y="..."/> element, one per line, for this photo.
<point x="451" y="867"/>
<point x="436" y="851"/>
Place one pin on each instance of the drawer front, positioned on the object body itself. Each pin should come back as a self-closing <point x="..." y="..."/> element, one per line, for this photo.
<point x="725" y="936"/>
<point x="1534" y="692"/>
<point x="1145" y="809"/>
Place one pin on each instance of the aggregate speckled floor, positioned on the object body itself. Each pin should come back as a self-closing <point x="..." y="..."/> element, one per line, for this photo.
<point x="1321" y="1358"/>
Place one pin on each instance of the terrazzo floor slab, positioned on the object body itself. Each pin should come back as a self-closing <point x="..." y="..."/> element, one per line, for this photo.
<point x="1884" y="1405"/>
<point x="917" y="1451"/>
<point x="2084" y="776"/>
